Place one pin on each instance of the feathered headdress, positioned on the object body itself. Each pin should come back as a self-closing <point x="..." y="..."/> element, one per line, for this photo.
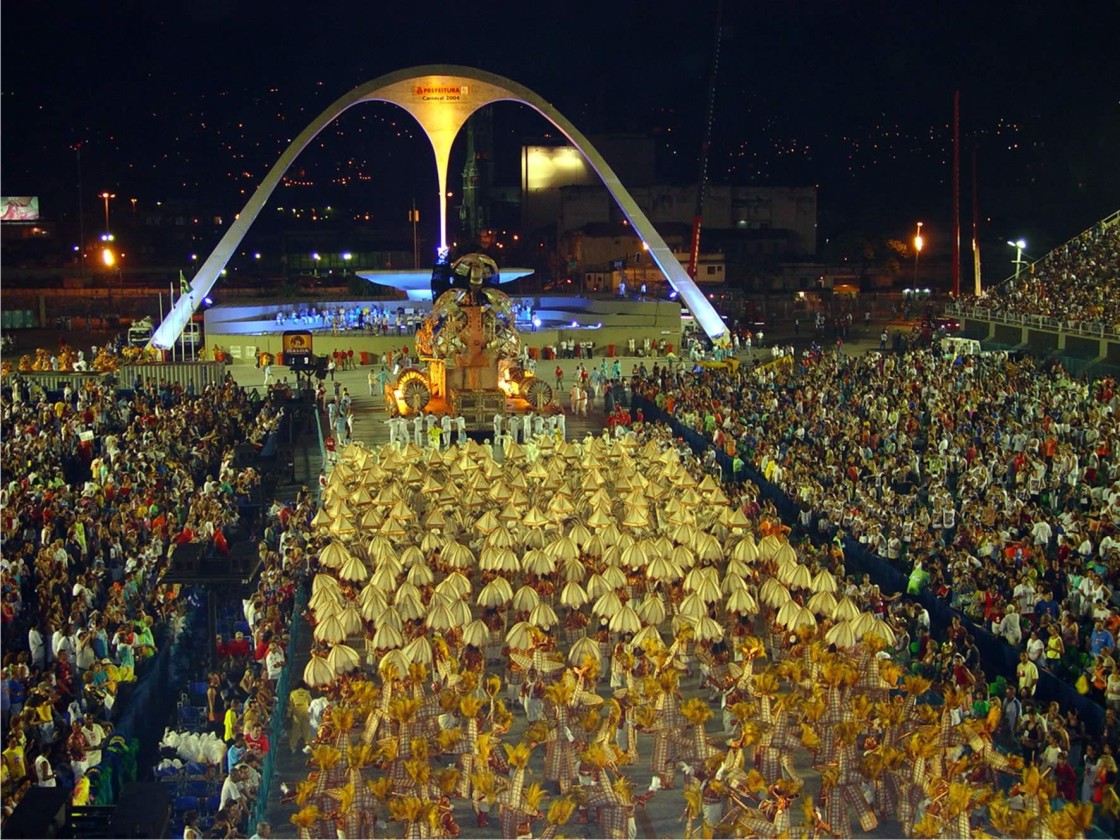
<point x="752" y="648"/>
<point x="560" y="810"/>
<point x="447" y="780"/>
<point x="533" y="798"/>
<point x="596" y="756"/>
<point x="922" y="744"/>
<point x="325" y="756"/>
<point x="306" y="817"/>
<point x="404" y="709"/>
<point x="696" y="711"/>
<point x="518" y="754"/>
<point x="766" y="683"/>
<point x="809" y="738"/>
<point x="916" y="686"/>
<point x="381" y="787"/>
<point x="448" y="739"/>
<point x="344" y="796"/>
<point x="1073" y="820"/>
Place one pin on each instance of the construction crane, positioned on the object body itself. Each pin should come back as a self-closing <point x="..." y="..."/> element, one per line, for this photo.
<point x="705" y="146"/>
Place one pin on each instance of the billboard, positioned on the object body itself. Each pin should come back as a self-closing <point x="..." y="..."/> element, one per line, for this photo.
<point x="19" y="208"/>
<point x="551" y="167"/>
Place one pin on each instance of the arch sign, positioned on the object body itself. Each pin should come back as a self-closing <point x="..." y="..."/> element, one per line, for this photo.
<point x="441" y="98"/>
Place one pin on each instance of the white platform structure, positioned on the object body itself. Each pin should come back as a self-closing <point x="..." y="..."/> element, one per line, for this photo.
<point x="418" y="284"/>
<point x="441" y="98"/>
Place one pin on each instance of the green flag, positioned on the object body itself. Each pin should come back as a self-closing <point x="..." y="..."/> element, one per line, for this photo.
<point x="184" y="285"/>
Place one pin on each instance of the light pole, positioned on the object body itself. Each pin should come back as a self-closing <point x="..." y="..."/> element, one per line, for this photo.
<point x="1018" y="245"/>
<point x="414" y="217"/>
<point x="107" y="196"/>
<point x="918" y="244"/>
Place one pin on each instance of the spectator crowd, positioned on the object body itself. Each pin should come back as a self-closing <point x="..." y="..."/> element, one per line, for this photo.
<point x="1077" y="283"/>
<point x="100" y="486"/>
<point x="994" y="482"/>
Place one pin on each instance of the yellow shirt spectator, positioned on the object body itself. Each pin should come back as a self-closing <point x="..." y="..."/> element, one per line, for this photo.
<point x="230" y="722"/>
<point x="15" y="761"/>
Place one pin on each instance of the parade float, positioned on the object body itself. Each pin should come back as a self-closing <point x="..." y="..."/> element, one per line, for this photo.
<point x="470" y="354"/>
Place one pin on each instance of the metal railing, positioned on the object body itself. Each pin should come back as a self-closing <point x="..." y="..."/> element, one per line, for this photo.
<point x="1092" y="329"/>
<point x="57" y="380"/>
<point x="322" y="452"/>
<point x="185" y="374"/>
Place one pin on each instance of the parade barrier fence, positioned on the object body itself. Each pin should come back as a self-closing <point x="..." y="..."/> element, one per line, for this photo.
<point x="196" y="375"/>
<point x="186" y="374"/>
<point x="283" y="685"/>
<point x="53" y="381"/>
<point x="997" y="656"/>
<point x="280" y="713"/>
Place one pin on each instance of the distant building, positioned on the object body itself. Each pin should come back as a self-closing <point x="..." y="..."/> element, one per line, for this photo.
<point x="606" y="255"/>
<point x="755" y="229"/>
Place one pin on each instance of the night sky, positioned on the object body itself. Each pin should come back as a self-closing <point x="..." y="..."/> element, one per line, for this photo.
<point x="194" y="101"/>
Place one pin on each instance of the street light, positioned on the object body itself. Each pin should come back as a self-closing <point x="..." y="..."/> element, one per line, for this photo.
<point x="107" y="196"/>
<point x="1018" y="245"/>
<point x="918" y="244"/>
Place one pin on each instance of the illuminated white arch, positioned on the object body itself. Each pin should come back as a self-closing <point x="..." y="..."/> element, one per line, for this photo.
<point x="441" y="98"/>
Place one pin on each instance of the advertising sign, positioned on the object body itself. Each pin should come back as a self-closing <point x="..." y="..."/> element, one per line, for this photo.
<point x="440" y="93"/>
<point x="19" y="208"/>
<point x="297" y="348"/>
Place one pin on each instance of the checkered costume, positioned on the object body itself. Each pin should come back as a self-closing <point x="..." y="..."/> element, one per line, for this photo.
<point x="512" y="819"/>
<point x="888" y="795"/>
<point x="493" y="646"/>
<point x="324" y="827"/>
<point x="511" y="802"/>
<point x="359" y="820"/>
<point x="916" y="788"/>
<point x="846" y="793"/>
<point x="559" y="752"/>
<point x="605" y="650"/>
<point x="870" y="682"/>
<point x="995" y="758"/>
<point x="427" y="718"/>
<point x="948" y="736"/>
<point x="693" y="745"/>
<point x="468" y="759"/>
<point x="666" y="734"/>
<point x="614" y="813"/>
<point x="771" y="819"/>
<point x="836" y="711"/>
<point x="378" y="715"/>
<point x="776" y="742"/>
